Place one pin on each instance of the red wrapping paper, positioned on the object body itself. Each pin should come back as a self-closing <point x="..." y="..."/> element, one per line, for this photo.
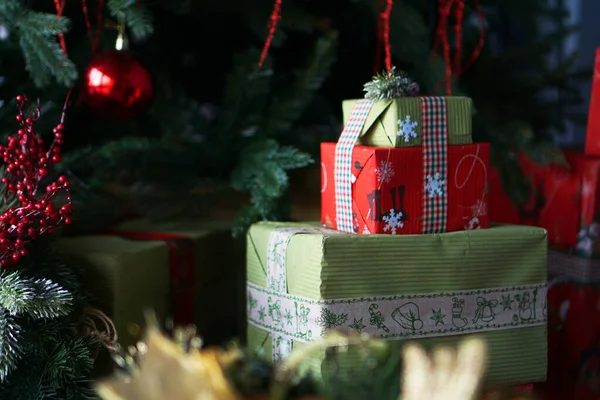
<point x="573" y="342"/>
<point x="592" y="143"/>
<point x="392" y="178"/>
<point x="565" y="201"/>
<point x="182" y="269"/>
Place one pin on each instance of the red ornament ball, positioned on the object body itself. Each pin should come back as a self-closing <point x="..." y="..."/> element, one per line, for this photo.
<point x="117" y="86"/>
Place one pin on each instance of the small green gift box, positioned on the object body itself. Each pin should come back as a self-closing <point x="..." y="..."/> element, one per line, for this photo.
<point x="397" y="122"/>
<point x="303" y="280"/>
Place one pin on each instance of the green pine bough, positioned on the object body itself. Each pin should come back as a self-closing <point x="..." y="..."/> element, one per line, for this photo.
<point x="182" y="145"/>
<point x="42" y="352"/>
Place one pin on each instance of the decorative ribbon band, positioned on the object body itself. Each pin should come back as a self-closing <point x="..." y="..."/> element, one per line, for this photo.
<point x="343" y="164"/>
<point x="398" y="316"/>
<point x="277" y="274"/>
<point x="581" y="270"/>
<point x="434" y="129"/>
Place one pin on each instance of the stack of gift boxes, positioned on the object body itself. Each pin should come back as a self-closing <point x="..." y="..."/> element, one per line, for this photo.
<point x="566" y="201"/>
<point x="404" y="249"/>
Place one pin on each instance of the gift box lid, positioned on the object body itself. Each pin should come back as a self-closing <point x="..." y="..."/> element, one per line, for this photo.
<point x="381" y="127"/>
<point x="331" y="266"/>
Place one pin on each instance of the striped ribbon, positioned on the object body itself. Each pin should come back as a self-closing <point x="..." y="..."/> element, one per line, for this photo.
<point x="343" y="164"/>
<point x="581" y="270"/>
<point x="434" y="130"/>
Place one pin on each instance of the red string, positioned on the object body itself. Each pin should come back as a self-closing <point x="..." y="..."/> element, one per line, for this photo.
<point x="379" y="45"/>
<point x="273" y="21"/>
<point x="458" y="34"/>
<point x="481" y="42"/>
<point x="60" y="6"/>
<point x="444" y="7"/>
<point x="94" y="39"/>
<point x="385" y="17"/>
<point x="441" y="37"/>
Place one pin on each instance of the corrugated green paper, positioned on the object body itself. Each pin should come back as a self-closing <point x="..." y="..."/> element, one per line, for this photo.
<point x="125" y="278"/>
<point x="381" y="128"/>
<point x="340" y="266"/>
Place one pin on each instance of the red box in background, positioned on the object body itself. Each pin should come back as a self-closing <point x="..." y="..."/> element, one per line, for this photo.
<point x="565" y="201"/>
<point x="573" y="343"/>
<point x="592" y="142"/>
<point x="387" y="179"/>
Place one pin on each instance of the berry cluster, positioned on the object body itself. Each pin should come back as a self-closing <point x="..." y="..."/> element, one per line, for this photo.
<point x="30" y="214"/>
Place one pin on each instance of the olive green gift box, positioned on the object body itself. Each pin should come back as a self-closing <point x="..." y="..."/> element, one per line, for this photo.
<point x="127" y="277"/>
<point x="327" y="266"/>
<point x="381" y="127"/>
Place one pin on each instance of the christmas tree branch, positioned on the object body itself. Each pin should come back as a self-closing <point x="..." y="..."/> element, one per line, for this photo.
<point x="137" y="18"/>
<point x="36" y="32"/>
<point x="10" y="346"/>
<point x="38" y="298"/>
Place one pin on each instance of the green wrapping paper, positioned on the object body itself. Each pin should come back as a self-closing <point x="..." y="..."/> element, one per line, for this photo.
<point x="399" y="269"/>
<point x="219" y="273"/>
<point x="131" y="269"/>
<point x="124" y="278"/>
<point x="382" y="125"/>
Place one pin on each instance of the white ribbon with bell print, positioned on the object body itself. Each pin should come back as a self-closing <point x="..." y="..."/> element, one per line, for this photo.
<point x="294" y="318"/>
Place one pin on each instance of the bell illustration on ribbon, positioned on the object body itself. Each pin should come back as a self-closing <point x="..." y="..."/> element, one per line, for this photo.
<point x="485" y="310"/>
<point x="457" y="309"/>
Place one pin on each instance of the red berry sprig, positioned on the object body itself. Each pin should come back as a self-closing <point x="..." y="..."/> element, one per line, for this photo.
<point x="30" y="214"/>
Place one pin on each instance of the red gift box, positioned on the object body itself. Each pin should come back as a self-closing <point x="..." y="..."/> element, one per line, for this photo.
<point x="592" y="143"/>
<point x="573" y="342"/>
<point x="565" y="201"/>
<point x="388" y="188"/>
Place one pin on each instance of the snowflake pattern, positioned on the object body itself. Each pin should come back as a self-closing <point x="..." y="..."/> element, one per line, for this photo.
<point x="435" y="185"/>
<point x="586" y="239"/>
<point x="385" y="172"/>
<point x="479" y="209"/>
<point x="407" y="128"/>
<point x="393" y="221"/>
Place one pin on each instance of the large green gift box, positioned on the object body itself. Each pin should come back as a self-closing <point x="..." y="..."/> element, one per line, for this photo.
<point x="192" y="271"/>
<point x="303" y="280"/>
<point x="397" y="123"/>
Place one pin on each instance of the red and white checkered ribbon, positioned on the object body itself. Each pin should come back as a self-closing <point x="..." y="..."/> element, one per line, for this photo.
<point x="434" y="131"/>
<point x="581" y="270"/>
<point x="343" y="165"/>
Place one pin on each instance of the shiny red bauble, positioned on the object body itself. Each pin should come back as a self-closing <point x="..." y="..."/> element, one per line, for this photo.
<point x="117" y="86"/>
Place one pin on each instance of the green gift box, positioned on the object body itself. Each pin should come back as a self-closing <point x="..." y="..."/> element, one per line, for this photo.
<point x="303" y="280"/>
<point x="124" y="278"/>
<point x="385" y="120"/>
<point x="180" y="269"/>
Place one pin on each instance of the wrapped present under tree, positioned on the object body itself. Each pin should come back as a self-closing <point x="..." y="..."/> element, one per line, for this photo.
<point x="175" y="268"/>
<point x="304" y="280"/>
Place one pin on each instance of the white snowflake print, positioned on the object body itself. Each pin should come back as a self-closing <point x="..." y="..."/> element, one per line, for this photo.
<point x="366" y="230"/>
<point x="407" y="128"/>
<point x="479" y="209"/>
<point x="435" y="185"/>
<point x="586" y="239"/>
<point x="393" y="221"/>
<point x="385" y="172"/>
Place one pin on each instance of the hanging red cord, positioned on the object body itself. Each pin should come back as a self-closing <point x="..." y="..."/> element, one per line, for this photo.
<point x="60" y="6"/>
<point x="441" y="38"/>
<point x="477" y="52"/>
<point x="94" y="39"/>
<point x="459" y="15"/>
<point x="385" y="18"/>
<point x="379" y="44"/>
<point x="273" y="21"/>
